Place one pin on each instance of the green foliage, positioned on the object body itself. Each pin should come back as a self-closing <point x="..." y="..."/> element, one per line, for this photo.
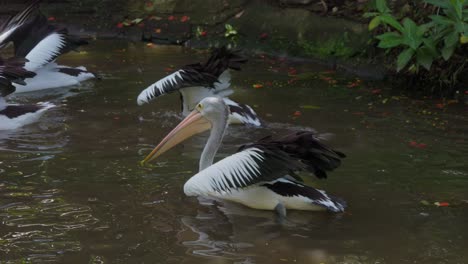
<point x="230" y="31"/>
<point x="336" y="47"/>
<point x="422" y="44"/>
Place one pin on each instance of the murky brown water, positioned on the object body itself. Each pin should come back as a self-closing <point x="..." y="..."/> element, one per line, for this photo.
<point x="72" y="191"/>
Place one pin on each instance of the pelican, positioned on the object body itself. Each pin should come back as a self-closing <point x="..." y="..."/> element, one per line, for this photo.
<point x="40" y="43"/>
<point x="197" y="81"/>
<point x="261" y="174"/>
<point x="13" y="116"/>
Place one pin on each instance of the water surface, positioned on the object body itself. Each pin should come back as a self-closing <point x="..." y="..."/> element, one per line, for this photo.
<point x="72" y="191"/>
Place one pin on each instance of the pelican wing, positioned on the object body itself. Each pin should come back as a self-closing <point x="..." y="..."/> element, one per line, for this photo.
<point x="265" y="161"/>
<point x="44" y="43"/>
<point x="12" y="70"/>
<point x="190" y="76"/>
<point x="14" y="25"/>
<point x="242" y="113"/>
<point x="197" y="81"/>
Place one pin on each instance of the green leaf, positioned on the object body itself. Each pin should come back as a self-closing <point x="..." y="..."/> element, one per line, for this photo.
<point x="431" y="46"/>
<point x="458" y="7"/>
<point x="370" y="14"/>
<point x="422" y="29"/>
<point x="389" y="40"/>
<point x="382" y="6"/>
<point x="404" y="57"/>
<point x="441" y="20"/>
<point x="390" y="20"/>
<point x="438" y="3"/>
<point x="424" y="57"/>
<point x="410" y="33"/>
<point x="447" y="52"/>
<point x="375" y="22"/>
<point x="451" y="39"/>
<point x="463" y="39"/>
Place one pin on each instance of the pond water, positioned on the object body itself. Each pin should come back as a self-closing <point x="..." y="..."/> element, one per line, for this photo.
<point x="72" y="189"/>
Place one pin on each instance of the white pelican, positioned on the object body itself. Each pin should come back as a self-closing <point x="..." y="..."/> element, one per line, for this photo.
<point x="41" y="43"/>
<point x="13" y="116"/>
<point x="260" y="175"/>
<point x="197" y="81"/>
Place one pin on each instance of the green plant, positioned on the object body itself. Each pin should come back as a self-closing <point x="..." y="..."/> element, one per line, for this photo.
<point x="230" y="31"/>
<point x="424" y="43"/>
<point x="451" y="26"/>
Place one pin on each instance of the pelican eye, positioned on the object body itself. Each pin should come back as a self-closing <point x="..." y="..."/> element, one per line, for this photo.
<point x="199" y="107"/>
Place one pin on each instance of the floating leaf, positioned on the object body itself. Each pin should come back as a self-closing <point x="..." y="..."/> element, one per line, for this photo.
<point x="137" y="20"/>
<point x="238" y="15"/>
<point x="424" y="202"/>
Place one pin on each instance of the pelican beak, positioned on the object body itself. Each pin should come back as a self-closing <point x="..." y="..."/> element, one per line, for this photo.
<point x="193" y="124"/>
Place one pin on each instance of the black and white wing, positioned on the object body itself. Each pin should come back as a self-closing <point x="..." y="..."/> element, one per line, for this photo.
<point x="197" y="81"/>
<point x="242" y="114"/>
<point x="190" y="76"/>
<point x="15" y="26"/>
<point x="289" y="188"/>
<point x="265" y="161"/>
<point x="12" y="71"/>
<point x="44" y="43"/>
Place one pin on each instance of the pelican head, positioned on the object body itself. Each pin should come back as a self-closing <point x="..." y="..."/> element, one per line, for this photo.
<point x="211" y="112"/>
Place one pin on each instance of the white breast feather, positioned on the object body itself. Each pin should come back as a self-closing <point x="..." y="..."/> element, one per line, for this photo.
<point x="239" y="167"/>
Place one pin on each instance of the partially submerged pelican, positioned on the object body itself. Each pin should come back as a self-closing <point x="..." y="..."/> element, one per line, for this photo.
<point x="41" y="44"/>
<point x="197" y="81"/>
<point x="13" y="116"/>
<point x="261" y="174"/>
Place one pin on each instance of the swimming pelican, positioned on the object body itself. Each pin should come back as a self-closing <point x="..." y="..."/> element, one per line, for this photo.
<point x="13" y="116"/>
<point x="197" y="81"/>
<point x="41" y="43"/>
<point x="261" y="174"/>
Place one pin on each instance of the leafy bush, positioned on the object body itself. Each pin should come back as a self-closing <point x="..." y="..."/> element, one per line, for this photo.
<point x="422" y="44"/>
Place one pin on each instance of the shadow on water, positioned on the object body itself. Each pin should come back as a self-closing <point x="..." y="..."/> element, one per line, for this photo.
<point x="72" y="191"/>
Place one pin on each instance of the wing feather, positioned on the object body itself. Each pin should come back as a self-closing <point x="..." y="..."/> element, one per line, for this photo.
<point x="183" y="78"/>
<point x="15" y="23"/>
<point x="242" y="169"/>
<point x="265" y="161"/>
<point x="12" y="70"/>
<point x="45" y="51"/>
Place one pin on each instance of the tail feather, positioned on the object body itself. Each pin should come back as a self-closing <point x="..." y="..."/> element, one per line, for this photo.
<point x="222" y="59"/>
<point x="305" y="147"/>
